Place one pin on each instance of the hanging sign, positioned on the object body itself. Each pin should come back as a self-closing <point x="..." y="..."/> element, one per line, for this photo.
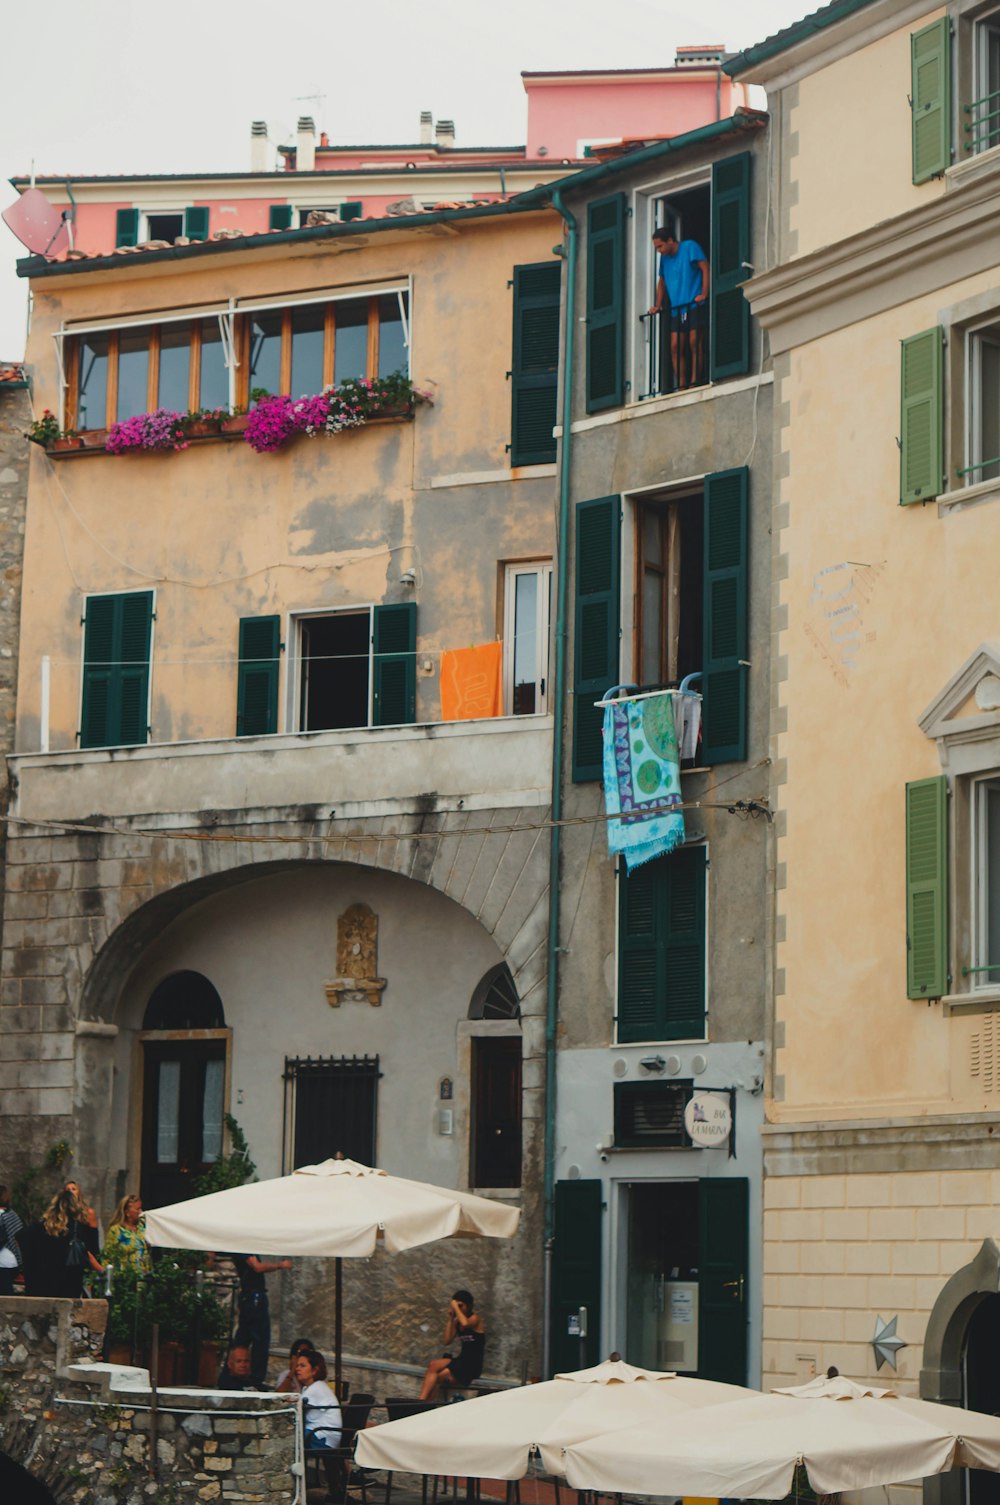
<point x="708" y="1119"/>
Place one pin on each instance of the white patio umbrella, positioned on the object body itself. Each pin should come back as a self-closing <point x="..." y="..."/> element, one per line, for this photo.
<point x="848" y="1437"/>
<point x="339" y="1209"/>
<point x="497" y="1438"/>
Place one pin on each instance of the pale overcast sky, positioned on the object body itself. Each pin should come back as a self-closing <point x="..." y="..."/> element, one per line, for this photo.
<point x="116" y="86"/>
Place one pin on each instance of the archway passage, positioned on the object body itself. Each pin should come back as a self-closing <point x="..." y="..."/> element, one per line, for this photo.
<point x="982" y="1387"/>
<point x="16" y="1484"/>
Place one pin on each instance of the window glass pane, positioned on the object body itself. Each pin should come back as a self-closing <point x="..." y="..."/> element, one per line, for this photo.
<point x="525" y="643"/>
<point x="175" y="366"/>
<point x="652" y="537"/>
<point x="265" y="351"/>
<point x="214" y="376"/>
<point x="168" y="1102"/>
<point x="351" y="357"/>
<point x="91" y="409"/>
<point x="991" y="880"/>
<point x="652" y="627"/>
<point x="307" y="349"/>
<point x="211" y="1111"/>
<point x="392" y="353"/>
<point x="133" y="373"/>
<point x="989" y="400"/>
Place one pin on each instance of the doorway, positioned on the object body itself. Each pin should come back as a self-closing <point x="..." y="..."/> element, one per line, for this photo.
<point x="982" y="1389"/>
<point x="183" y="1115"/>
<point x="334" y="674"/>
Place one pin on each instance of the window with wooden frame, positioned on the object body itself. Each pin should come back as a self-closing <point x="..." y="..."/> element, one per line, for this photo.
<point x="303" y="348"/>
<point x="114" y="374"/>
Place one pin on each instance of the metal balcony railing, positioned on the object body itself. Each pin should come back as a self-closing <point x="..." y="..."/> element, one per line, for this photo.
<point x="676" y="348"/>
<point x="982" y="128"/>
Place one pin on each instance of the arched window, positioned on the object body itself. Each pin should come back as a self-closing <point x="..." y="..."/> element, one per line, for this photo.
<point x="495" y="996"/>
<point x="184" y="1000"/>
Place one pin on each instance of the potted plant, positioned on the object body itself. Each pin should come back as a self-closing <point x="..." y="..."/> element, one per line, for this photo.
<point x="175" y="1296"/>
<point x="202" y="422"/>
<point x="234" y="423"/>
<point x="68" y="439"/>
<point x="95" y="438"/>
<point x="160" y="429"/>
<point x="45" y="430"/>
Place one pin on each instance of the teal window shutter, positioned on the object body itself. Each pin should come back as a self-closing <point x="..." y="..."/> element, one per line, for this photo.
<point x="661" y="949"/>
<point x="196" y="222"/>
<point x="596" y="628"/>
<point x="353" y="210"/>
<point x="395" y="670"/>
<point x="535" y="364"/>
<point x="116" y="644"/>
<point x="921" y="445"/>
<point x="126" y="227"/>
<point x="927" y="888"/>
<point x="257" y="676"/>
<point x="730" y="320"/>
<point x="930" y="99"/>
<point x="606" y="303"/>
<point x="724" y="676"/>
<point x="280" y="217"/>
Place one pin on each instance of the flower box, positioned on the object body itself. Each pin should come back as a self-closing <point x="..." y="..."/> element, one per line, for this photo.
<point x="236" y="424"/>
<point x="201" y="428"/>
<point x="94" y="438"/>
<point x="65" y="442"/>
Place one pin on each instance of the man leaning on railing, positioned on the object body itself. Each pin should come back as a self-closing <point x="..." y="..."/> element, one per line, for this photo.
<point x="683" y="282"/>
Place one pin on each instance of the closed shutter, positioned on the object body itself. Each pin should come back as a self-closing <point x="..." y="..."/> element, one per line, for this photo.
<point x="116" y="641"/>
<point x="257" y="676"/>
<point x="723" y="1298"/>
<point x="922" y="418"/>
<point x="196" y="222"/>
<point x="724" y="681"/>
<point x="930" y="94"/>
<point x="126" y="227"/>
<point x="927" y="888"/>
<point x="535" y="364"/>
<point x="280" y="217"/>
<point x="730" y="321"/>
<point x="596" y="628"/>
<point x="576" y="1273"/>
<point x="661" y="949"/>
<point x="606" y="303"/>
<point x="395" y="671"/>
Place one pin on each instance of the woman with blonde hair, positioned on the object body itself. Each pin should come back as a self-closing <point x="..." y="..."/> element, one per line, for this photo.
<point x="125" y="1246"/>
<point x="53" y="1249"/>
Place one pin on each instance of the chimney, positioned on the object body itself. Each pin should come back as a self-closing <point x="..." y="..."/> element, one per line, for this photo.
<point x="426" y="128"/>
<point x="260" y="147"/>
<point x="709" y="55"/>
<point x="305" y="150"/>
<point x="445" y="132"/>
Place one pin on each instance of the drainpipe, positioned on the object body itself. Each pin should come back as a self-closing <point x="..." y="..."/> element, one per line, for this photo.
<point x="555" y="833"/>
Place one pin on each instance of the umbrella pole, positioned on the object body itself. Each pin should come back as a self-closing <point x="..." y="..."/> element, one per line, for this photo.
<point x="338" y="1331"/>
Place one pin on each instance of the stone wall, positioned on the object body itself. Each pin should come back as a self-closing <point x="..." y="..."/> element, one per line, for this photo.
<point x="87" y="1432"/>
<point x="15" y="416"/>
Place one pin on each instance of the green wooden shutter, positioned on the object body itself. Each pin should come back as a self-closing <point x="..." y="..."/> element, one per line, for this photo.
<point x="535" y="364"/>
<point x="395" y="671"/>
<point x="661" y="949"/>
<point x="922" y="419"/>
<point x="930" y="95"/>
<point x="730" y="320"/>
<point x="116" y="642"/>
<point x="606" y="303"/>
<point x="353" y="210"/>
<point x="196" y="222"/>
<point x="126" y="227"/>
<point x="927" y="888"/>
<point x="723" y="1247"/>
<point x="280" y="217"/>
<point x="595" y="640"/>
<point x="724" y="681"/>
<point x="576" y="1272"/>
<point x="257" y="676"/>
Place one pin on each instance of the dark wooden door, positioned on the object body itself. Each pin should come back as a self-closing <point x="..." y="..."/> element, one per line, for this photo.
<point x="723" y="1242"/>
<point x="576" y="1274"/>
<point x="496" y="1112"/>
<point x="183" y="1097"/>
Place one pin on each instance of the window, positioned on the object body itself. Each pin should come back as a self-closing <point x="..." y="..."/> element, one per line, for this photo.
<point x="307" y="347"/>
<point x="661" y="948"/>
<point x="330" y="1108"/>
<point x="670" y="549"/>
<point x="496" y="1111"/>
<point x="116" y="655"/>
<point x="342" y="212"/>
<point x="983" y="127"/>
<point x="986" y="869"/>
<point x="983" y="447"/>
<point x="495" y="996"/>
<point x="179" y="365"/>
<point x="354" y="668"/>
<point x="677" y="340"/>
<point x="650" y="1115"/>
<point x="184" y="1000"/>
<point x="527" y="605"/>
<point x="136" y="226"/>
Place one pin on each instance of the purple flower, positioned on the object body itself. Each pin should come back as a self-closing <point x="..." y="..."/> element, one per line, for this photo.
<point x="157" y="430"/>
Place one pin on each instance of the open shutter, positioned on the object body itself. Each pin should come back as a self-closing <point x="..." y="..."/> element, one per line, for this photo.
<point x="352" y="210"/>
<point x="661" y="949"/>
<point x="535" y="364"/>
<point x="724" y="681"/>
<point x="395" y="671"/>
<point x="280" y="217"/>
<point x="257" y="676"/>
<point x="576" y="1273"/>
<point x="606" y="303"/>
<point x="126" y="227"/>
<point x="927" y="888"/>
<point x="116" y="642"/>
<point x="595" y="640"/>
<point x="922" y="419"/>
<point x="196" y="222"/>
<point x="723" y="1247"/>
<point x="730" y="321"/>
<point x="930" y="94"/>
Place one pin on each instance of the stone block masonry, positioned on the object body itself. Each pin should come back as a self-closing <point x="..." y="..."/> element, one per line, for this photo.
<point x="63" y="1419"/>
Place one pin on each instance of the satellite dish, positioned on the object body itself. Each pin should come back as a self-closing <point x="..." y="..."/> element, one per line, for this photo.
<point x="37" y="224"/>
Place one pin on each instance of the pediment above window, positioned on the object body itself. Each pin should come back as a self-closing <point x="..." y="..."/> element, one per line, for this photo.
<point x="967" y="709"/>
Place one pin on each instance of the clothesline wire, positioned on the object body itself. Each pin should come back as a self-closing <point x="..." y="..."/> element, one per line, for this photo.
<point x="311" y="658"/>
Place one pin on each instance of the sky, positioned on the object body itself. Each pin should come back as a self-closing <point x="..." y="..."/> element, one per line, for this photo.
<point x="117" y="86"/>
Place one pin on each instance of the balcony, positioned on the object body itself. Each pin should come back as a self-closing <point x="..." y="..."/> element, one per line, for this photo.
<point x="501" y="761"/>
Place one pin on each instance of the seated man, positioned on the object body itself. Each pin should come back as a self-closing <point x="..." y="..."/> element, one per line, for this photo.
<point x="235" y="1373"/>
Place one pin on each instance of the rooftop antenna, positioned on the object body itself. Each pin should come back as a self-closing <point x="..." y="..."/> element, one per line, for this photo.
<point x="315" y="100"/>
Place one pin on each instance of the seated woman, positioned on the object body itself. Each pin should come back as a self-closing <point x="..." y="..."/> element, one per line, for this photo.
<point x="287" y="1382"/>
<point x="465" y="1324"/>
<point x="321" y="1416"/>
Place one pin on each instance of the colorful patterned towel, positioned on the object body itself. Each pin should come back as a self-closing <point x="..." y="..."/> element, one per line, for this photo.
<point x="642" y="778"/>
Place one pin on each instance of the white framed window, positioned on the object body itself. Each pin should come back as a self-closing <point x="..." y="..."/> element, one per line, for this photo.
<point x="683" y="205"/>
<point x="983" y="122"/>
<point x="161" y="224"/>
<point x="985" y="966"/>
<point x="527" y="612"/>
<point x="983" y="404"/>
<point x="330" y="680"/>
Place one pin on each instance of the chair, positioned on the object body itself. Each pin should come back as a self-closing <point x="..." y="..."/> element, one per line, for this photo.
<point x="354" y="1417"/>
<point x="398" y="1406"/>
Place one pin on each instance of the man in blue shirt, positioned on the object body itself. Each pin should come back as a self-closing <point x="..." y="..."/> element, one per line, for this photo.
<point x="683" y="282"/>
